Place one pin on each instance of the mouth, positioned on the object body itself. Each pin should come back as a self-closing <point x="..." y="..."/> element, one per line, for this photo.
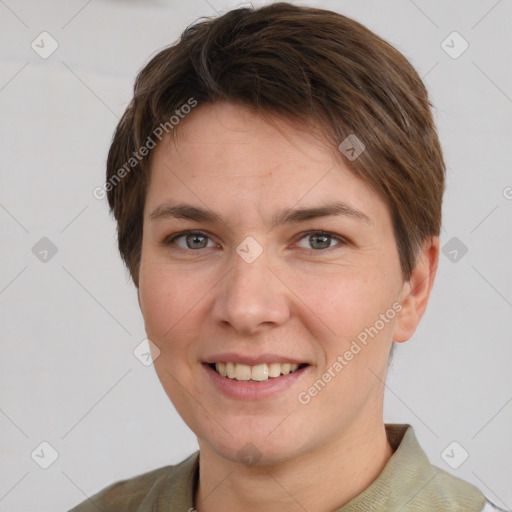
<point x="257" y="373"/>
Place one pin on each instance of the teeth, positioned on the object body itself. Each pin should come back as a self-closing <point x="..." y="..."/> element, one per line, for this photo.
<point x="230" y="370"/>
<point x="286" y="368"/>
<point x="221" y="368"/>
<point x="274" y="369"/>
<point x="260" y="372"/>
<point x="242" y="372"/>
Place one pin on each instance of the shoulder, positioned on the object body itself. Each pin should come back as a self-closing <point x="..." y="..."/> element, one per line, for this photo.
<point x="410" y="473"/>
<point x="141" y="492"/>
<point x="491" y="507"/>
<point x="449" y="492"/>
<point x="125" y="494"/>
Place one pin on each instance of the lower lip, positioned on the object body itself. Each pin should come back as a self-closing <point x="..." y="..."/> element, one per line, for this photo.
<point x="247" y="390"/>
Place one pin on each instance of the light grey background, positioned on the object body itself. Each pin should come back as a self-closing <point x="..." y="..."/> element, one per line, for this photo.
<point x="68" y="375"/>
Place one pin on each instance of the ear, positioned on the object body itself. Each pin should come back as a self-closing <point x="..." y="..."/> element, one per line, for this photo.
<point x="416" y="292"/>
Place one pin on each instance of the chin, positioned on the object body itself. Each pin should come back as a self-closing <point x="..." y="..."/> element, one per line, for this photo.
<point x="251" y="454"/>
<point x="255" y="446"/>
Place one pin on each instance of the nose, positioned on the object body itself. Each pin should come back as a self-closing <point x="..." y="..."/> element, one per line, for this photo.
<point x="251" y="297"/>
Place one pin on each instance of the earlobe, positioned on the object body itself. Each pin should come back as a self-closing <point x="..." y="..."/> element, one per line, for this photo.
<point x="416" y="291"/>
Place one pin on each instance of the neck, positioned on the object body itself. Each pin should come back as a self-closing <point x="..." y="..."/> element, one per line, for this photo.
<point x="323" y="480"/>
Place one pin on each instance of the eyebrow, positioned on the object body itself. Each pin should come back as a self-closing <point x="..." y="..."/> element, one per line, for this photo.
<point x="285" y="216"/>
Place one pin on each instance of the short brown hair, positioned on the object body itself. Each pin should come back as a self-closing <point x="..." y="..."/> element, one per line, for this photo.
<point x="310" y="64"/>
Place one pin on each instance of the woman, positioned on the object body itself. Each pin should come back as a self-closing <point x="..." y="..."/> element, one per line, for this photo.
<point x="277" y="182"/>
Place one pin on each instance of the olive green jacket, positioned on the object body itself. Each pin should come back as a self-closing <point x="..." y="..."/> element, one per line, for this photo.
<point x="408" y="483"/>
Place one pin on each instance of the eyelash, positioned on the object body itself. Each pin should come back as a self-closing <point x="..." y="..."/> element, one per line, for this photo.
<point x="171" y="239"/>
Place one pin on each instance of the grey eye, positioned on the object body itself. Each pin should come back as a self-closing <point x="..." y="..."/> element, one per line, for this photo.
<point x="193" y="241"/>
<point x="318" y="241"/>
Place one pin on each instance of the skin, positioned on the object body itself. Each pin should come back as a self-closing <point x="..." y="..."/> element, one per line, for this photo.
<point x="295" y="299"/>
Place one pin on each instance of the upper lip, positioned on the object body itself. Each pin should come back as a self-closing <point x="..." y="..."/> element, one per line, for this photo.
<point x="252" y="360"/>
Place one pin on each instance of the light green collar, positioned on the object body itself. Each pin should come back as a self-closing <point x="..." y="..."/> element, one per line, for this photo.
<point x="409" y="483"/>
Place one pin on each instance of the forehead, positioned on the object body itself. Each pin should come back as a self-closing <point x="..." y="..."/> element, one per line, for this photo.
<point x="245" y="141"/>
<point x="227" y="156"/>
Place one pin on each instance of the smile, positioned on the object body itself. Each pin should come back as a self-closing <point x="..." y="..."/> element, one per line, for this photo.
<point x="257" y="373"/>
<point x="255" y="382"/>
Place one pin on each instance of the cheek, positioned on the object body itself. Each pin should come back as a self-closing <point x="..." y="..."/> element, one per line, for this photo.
<point x="167" y="303"/>
<point x="357" y="329"/>
<point x="347" y="300"/>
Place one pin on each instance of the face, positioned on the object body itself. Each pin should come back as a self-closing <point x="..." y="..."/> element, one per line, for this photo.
<point x="242" y="266"/>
